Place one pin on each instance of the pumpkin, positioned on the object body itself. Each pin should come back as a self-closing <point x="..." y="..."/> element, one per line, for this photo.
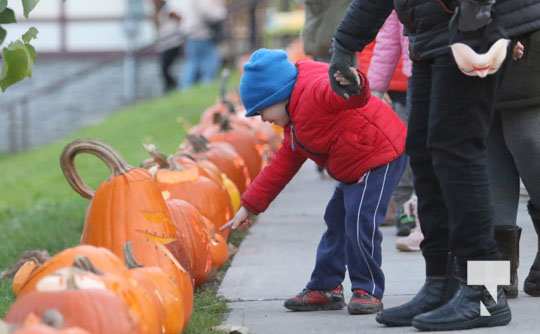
<point x="126" y="207"/>
<point x="218" y="245"/>
<point x="234" y="193"/>
<point x="165" y="294"/>
<point x="223" y="155"/>
<point x="206" y="168"/>
<point x="210" y="199"/>
<point x="52" y="322"/>
<point x="243" y="140"/>
<point x="97" y="311"/>
<point x="84" y="276"/>
<point x="31" y="272"/>
<point x="188" y="223"/>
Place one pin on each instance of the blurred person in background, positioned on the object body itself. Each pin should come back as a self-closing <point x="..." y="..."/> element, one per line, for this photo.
<point x="322" y="19"/>
<point x="167" y="21"/>
<point x="202" y="22"/>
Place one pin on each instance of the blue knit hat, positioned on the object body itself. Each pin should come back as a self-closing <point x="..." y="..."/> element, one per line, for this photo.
<point x="268" y="79"/>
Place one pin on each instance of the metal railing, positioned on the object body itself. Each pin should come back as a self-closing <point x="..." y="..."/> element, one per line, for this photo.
<point x="18" y="110"/>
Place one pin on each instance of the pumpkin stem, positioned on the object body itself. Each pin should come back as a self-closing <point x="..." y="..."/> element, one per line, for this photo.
<point x="159" y="157"/>
<point x="107" y="154"/>
<point x="217" y="118"/>
<point x="39" y="257"/>
<point x="225" y="124"/>
<point x="84" y="263"/>
<point x="198" y="142"/>
<point x="53" y="318"/>
<point x="129" y="258"/>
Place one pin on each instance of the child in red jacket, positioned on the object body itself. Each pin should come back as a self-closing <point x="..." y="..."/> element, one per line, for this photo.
<point x="360" y="142"/>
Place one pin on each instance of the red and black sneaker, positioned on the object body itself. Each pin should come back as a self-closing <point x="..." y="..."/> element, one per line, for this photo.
<point x="364" y="303"/>
<point x="317" y="300"/>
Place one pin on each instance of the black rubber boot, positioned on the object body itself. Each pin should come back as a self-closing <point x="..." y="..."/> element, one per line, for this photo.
<point x="507" y="237"/>
<point x="463" y="311"/>
<point x="436" y="292"/>
<point x="532" y="282"/>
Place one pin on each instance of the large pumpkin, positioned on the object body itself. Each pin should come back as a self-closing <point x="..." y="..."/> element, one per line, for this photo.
<point x="30" y="272"/>
<point x="97" y="311"/>
<point x="175" y="314"/>
<point x="126" y="207"/>
<point x="221" y="154"/>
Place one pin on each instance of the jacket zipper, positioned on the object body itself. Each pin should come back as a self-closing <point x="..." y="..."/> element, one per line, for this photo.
<point x="293" y="140"/>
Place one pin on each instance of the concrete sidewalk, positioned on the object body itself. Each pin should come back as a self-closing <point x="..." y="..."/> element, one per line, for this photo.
<point x="275" y="262"/>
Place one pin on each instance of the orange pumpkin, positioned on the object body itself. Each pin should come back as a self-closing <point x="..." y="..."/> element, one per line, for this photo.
<point x="84" y="276"/>
<point x="218" y="245"/>
<point x="127" y="207"/>
<point x="210" y="199"/>
<point x="187" y="220"/>
<point x="32" y="324"/>
<point x="242" y="139"/>
<point x="221" y="154"/>
<point x="166" y="295"/>
<point x="104" y="260"/>
<point x="97" y="311"/>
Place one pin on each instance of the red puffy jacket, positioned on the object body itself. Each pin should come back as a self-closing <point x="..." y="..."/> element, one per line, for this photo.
<point x="347" y="137"/>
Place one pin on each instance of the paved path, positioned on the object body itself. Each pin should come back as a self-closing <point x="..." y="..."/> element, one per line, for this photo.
<point x="276" y="259"/>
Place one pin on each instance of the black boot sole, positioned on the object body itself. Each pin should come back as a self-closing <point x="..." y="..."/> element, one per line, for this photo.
<point x="532" y="289"/>
<point x="502" y="318"/>
<point x="371" y="309"/>
<point x="311" y="308"/>
<point x="393" y="323"/>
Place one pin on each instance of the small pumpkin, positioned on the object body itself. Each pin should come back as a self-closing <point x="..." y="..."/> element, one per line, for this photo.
<point x="189" y="222"/>
<point x="176" y="309"/>
<point x="243" y="140"/>
<point x="32" y="270"/>
<point x="218" y="245"/>
<point x="84" y="276"/>
<point x="97" y="311"/>
<point x="187" y="184"/>
<point x="221" y="154"/>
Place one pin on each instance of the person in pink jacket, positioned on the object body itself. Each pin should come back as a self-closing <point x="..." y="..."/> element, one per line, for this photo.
<point x="388" y="73"/>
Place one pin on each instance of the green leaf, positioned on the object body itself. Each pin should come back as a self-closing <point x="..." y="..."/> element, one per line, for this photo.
<point x="7" y="16"/>
<point x="3" y="34"/>
<point x="30" y="34"/>
<point x="18" y="60"/>
<point x="3" y="5"/>
<point x="28" y="6"/>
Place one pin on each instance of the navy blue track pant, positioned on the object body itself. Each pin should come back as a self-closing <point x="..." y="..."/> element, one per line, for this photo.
<point x="353" y="239"/>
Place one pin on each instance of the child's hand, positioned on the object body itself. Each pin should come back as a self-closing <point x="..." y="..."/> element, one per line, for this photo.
<point x="344" y="81"/>
<point x="519" y="51"/>
<point x="243" y="218"/>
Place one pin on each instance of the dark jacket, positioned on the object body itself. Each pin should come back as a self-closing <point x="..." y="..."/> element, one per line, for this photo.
<point x="520" y="85"/>
<point x="426" y="22"/>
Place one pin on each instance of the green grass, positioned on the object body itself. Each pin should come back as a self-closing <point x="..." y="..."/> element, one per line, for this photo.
<point x="38" y="210"/>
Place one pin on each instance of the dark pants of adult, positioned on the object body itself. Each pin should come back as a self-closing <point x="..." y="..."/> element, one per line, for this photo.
<point x="167" y="58"/>
<point x="450" y="118"/>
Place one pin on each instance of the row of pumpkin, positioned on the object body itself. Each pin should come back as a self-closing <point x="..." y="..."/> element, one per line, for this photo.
<point x="151" y="233"/>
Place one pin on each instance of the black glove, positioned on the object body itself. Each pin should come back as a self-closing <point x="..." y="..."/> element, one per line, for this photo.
<point x="342" y="60"/>
<point x="474" y="14"/>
